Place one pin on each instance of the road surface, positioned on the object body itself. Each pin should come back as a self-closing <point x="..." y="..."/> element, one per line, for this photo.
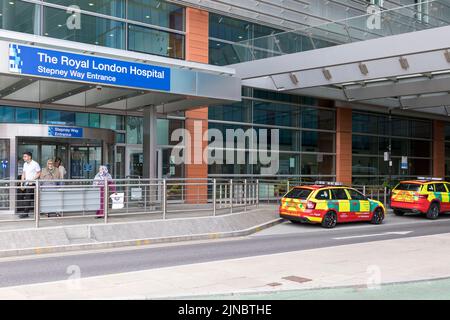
<point x="286" y="237"/>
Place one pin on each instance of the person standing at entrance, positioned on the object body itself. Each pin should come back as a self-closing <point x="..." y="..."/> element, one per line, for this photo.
<point x="50" y="173"/>
<point x="60" y="167"/>
<point x="30" y="173"/>
<point x="99" y="180"/>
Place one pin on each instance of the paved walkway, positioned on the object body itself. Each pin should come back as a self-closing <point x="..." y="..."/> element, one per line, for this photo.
<point x="366" y="265"/>
<point x="134" y="232"/>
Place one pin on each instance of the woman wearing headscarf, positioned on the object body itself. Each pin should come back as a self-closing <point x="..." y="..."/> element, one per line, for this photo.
<point x="99" y="180"/>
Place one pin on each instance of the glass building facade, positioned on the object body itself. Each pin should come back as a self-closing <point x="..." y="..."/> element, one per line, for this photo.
<point x="372" y="136"/>
<point x="116" y="24"/>
<point x="307" y="127"/>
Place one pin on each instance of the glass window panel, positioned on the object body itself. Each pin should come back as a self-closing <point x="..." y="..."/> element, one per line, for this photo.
<point x="447" y="149"/>
<point x="447" y="131"/>
<point x="58" y="117"/>
<point x="289" y="164"/>
<point x="238" y="112"/>
<point x="157" y="12"/>
<point x="314" y="141"/>
<point x="365" y="166"/>
<point x="276" y="114"/>
<point x="421" y="129"/>
<point x="365" y="144"/>
<point x="114" y="8"/>
<point x="222" y="54"/>
<point x="289" y="140"/>
<point x="318" y="164"/>
<point x="82" y="119"/>
<point x="7" y="114"/>
<point x="399" y="127"/>
<point x="165" y="128"/>
<point x="314" y="118"/>
<point x="400" y="147"/>
<point x="112" y="122"/>
<point x="418" y="167"/>
<point x="364" y="123"/>
<point x="4" y="164"/>
<point x="156" y="42"/>
<point x="226" y="28"/>
<point x="420" y="148"/>
<point x="94" y="120"/>
<point x="93" y="30"/>
<point x="120" y="137"/>
<point x="19" y="16"/>
<point x="27" y="115"/>
<point x="135" y="133"/>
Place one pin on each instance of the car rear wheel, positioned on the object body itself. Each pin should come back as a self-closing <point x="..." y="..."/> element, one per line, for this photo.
<point x="378" y="216"/>
<point x="399" y="213"/>
<point x="433" y="211"/>
<point x="329" y="220"/>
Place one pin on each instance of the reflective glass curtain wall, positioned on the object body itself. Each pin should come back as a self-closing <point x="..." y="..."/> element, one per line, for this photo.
<point x="306" y="135"/>
<point x="372" y="135"/>
<point x="151" y="26"/>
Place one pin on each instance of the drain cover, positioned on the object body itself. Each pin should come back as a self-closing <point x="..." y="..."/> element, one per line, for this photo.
<point x="297" y="279"/>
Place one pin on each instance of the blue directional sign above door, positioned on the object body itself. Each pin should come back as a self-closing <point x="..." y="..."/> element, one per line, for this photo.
<point x="65" y="132"/>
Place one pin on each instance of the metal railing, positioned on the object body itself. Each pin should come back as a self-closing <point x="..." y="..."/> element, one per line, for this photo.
<point x="138" y="199"/>
<point x="41" y="200"/>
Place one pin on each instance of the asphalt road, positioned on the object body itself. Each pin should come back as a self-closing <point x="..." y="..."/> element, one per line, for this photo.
<point x="286" y="237"/>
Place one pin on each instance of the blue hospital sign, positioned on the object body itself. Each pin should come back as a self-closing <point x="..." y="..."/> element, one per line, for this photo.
<point x="40" y="62"/>
<point x="65" y="132"/>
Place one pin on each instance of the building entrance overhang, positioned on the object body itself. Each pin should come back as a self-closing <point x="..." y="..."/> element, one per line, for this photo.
<point x="408" y="71"/>
<point x="54" y="72"/>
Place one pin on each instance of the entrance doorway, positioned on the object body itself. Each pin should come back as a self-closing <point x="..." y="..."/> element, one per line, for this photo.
<point x="81" y="159"/>
<point x="135" y="162"/>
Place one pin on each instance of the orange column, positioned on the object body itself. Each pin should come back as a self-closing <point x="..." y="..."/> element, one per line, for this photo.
<point x="197" y="50"/>
<point x="438" y="149"/>
<point x="344" y="145"/>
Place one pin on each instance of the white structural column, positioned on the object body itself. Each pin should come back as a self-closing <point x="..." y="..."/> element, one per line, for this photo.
<point x="150" y="143"/>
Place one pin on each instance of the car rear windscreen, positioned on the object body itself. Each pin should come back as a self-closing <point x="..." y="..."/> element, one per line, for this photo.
<point x="298" y="193"/>
<point x="408" y="187"/>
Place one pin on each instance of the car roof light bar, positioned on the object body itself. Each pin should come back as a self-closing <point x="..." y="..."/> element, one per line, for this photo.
<point x="328" y="183"/>
<point x="430" y="179"/>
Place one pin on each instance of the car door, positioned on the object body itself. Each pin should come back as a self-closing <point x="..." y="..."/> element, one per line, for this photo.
<point x="359" y="205"/>
<point x="341" y="203"/>
<point x="441" y="193"/>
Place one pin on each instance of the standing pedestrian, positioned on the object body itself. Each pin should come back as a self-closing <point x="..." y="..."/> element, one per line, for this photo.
<point x="99" y="180"/>
<point x="30" y="173"/>
<point x="60" y="167"/>
<point x="49" y="173"/>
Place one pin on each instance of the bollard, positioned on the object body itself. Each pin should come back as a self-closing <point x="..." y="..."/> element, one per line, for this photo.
<point x="385" y="197"/>
<point x="257" y="193"/>
<point x="164" y="199"/>
<point x="214" y="196"/>
<point x="231" y="195"/>
<point x="105" y="200"/>
<point x="36" y="203"/>
<point x="245" y="195"/>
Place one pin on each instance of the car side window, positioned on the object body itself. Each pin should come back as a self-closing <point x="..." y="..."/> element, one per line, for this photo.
<point x="430" y="188"/>
<point x="355" y="195"/>
<point x="323" y="195"/>
<point x="439" y="187"/>
<point x="339" y="194"/>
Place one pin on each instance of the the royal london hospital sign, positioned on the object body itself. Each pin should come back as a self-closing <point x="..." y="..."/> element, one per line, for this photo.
<point x="53" y="64"/>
